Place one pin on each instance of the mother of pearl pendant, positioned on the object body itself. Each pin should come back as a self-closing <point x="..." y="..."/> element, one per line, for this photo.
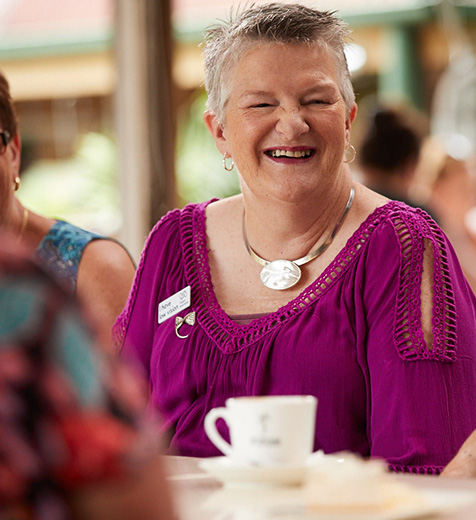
<point x="280" y="274"/>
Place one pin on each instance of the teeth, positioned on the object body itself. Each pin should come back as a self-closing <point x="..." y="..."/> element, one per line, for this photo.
<point x="289" y="153"/>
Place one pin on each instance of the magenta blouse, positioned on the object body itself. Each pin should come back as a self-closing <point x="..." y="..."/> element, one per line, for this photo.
<point x="353" y="338"/>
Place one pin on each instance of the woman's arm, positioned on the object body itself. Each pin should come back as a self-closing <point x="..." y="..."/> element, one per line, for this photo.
<point x="420" y="347"/>
<point x="105" y="277"/>
<point x="464" y="462"/>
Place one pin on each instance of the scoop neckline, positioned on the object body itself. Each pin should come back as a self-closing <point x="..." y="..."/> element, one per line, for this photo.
<point x="229" y="335"/>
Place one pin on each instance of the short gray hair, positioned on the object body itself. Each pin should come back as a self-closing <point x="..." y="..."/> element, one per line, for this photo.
<point x="225" y="44"/>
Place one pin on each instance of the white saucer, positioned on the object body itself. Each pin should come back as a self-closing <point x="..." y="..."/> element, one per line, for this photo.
<point x="230" y="473"/>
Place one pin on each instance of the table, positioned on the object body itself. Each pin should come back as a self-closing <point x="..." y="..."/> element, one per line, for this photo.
<point x="198" y="496"/>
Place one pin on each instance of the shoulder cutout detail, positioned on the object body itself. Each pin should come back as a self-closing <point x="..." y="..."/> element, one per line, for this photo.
<point x="422" y="242"/>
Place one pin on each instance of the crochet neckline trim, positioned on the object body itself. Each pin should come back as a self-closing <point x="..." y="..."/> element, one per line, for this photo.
<point x="229" y="335"/>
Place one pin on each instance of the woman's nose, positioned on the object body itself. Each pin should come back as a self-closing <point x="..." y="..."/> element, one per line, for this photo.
<point x="291" y="123"/>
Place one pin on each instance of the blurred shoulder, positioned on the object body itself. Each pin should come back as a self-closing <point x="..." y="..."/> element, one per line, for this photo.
<point x="107" y="253"/>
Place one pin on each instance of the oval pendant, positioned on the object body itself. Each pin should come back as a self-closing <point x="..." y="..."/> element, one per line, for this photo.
<point x="280" y="274"/>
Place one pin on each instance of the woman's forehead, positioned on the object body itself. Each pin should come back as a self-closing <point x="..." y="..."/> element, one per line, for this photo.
<point x="266" y="47"/>
<point x="265" y="64"/>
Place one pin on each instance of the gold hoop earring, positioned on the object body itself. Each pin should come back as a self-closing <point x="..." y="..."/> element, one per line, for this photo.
<point x="16" y="183"/>
<point x="232" y="165"/>
<point x="353" y="153"/>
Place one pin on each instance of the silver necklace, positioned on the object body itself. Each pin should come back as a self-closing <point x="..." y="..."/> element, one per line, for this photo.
<point x="283" y="274"/>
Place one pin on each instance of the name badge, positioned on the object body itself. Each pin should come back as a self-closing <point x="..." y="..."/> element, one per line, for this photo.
<point x="174" y="304"/>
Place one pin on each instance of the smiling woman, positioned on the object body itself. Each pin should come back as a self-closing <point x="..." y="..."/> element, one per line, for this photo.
<point x="368" y="311"/>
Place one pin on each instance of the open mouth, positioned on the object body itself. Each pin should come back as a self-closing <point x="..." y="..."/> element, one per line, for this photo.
<point x="291" y="154"/>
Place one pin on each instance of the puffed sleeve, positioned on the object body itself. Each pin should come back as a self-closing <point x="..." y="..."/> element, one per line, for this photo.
<point x="422" y="382"/>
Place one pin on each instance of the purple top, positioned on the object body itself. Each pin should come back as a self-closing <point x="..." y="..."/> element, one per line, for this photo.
<point x="353" y="338"/>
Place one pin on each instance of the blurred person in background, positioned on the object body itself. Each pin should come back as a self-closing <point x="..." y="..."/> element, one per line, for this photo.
<point x="389" y="152"/>
<point x="97" y="269"/>
<point x="73" y="440"/>
<point x="448" y="184"/>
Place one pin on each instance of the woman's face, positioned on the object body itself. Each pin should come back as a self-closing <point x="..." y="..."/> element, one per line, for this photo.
<point x="286" y="125"/>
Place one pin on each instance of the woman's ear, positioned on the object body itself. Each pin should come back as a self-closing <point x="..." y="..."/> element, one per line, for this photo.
<point x="216" y="129"/>
<point x="350" y="120"/>
<point x="14" y="154"/>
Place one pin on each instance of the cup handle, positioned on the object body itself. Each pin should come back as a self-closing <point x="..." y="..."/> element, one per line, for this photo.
<point x="211" y="429"/>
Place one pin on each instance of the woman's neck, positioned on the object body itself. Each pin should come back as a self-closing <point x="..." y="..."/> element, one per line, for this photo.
<point x="26" y="225"/>
<point x="289" y="231"/>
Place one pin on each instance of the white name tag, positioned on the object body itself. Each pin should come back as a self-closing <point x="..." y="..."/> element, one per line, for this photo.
<point x="171" y="306"/>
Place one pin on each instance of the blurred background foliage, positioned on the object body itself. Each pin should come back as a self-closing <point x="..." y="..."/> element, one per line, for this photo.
<point x="199" y="167"/>
<point x="82" y="189"/>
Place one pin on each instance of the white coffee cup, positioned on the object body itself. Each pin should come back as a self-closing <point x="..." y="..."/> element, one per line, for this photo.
<point x="265" y="430"/>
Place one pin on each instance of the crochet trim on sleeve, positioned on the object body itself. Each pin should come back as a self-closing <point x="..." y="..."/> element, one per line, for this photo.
<point x="419" y="235"/>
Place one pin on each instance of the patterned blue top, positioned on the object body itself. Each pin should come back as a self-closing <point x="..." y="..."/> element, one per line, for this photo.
<point x="60" y="252"/>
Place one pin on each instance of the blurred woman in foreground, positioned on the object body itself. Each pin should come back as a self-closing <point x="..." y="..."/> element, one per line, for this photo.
<point x="73" y="442"/>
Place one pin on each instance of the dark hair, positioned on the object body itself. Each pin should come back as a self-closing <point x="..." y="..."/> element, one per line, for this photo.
<point x="8" y="116"/>
<point x="390" y="141"/>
